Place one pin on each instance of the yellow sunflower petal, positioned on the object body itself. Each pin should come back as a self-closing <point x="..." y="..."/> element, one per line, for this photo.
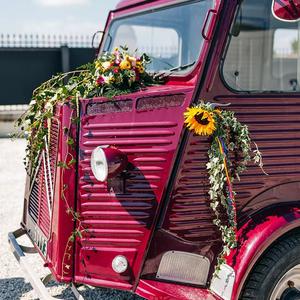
<point x="200" y="121"/>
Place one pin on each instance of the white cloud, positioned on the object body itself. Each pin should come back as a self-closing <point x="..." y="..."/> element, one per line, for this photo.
<point x="61" y="27"/>
<point x="62" y="2"/>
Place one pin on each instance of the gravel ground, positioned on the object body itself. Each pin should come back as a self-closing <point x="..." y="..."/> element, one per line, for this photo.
<point x="13" y="285"/>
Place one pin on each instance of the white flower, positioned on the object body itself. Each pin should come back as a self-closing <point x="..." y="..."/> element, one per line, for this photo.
<point x="32" y="102"/>
<point x="48" y="106"/>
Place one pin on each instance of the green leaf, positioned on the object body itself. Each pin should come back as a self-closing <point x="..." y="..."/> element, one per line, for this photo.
<point x="62" y="164"/>
<point x="70" y="141"/>
<point x="72" y="162"/>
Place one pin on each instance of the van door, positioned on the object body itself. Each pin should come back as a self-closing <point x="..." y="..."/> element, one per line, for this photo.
<point x="259" y="76"/>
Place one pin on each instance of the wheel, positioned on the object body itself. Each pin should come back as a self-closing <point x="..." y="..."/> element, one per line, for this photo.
<point x="276" y="276"/>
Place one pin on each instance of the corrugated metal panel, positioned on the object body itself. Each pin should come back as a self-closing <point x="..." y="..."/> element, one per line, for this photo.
<point x="189" y="215"/>
<point x="274" y="125"/>
<point x="40" y="198"/>
<point x="119" y="213"/>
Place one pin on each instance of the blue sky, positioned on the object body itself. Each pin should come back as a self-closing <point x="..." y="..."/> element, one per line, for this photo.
<point x="54" y="16"/>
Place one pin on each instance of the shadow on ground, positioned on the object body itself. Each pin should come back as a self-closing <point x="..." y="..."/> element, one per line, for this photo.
<point x="17" y="288"/>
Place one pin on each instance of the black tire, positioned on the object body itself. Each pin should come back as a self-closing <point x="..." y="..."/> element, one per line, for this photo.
<point x="276" y="261"/>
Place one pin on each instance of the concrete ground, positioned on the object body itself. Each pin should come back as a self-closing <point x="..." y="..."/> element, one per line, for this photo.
<point x="13" y="285"/>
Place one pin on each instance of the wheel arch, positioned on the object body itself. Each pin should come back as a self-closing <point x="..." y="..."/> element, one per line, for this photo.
<point x="256" y="236"/>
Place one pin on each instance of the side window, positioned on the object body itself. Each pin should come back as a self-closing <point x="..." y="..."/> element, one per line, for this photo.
<point x="264" y="53"/>
<point x="286" y="58"/>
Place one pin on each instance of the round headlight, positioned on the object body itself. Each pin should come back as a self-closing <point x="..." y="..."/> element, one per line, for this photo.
<point x="99" y="164"/>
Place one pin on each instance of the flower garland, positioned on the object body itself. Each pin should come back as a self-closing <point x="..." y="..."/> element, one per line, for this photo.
<point x="110" y="75"/>
<point x="229" y="154"/>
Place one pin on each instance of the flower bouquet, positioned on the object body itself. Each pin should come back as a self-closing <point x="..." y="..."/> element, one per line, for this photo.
<point x="110" y="75"/>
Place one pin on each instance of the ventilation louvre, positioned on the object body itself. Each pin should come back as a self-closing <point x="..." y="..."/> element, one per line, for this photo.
<point x="41" y="194"/>
<point x="184" y="267"/>
<point x="149" y="103"/>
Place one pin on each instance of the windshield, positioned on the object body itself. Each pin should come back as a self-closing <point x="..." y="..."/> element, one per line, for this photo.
<point x="170" y="36"/>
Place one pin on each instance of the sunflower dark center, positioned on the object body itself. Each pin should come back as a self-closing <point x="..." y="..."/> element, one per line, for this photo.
<point x="201" y="121"/>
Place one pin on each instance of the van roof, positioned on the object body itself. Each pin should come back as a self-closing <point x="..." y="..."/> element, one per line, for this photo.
<point x="125" y="3"/>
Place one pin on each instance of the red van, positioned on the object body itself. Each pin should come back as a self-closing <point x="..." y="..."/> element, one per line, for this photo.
<point x="149" y="228"/>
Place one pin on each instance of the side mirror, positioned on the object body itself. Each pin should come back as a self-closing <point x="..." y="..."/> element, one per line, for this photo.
<point x="286" y="10"/>
<point x="97" y="38"/>
<point x="236" y="29"/>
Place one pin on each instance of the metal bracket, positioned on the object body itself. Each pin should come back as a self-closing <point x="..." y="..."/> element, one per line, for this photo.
<point x="46" y="279"/>
<point x="76" y="293"/>
<point x="37" y="284"/>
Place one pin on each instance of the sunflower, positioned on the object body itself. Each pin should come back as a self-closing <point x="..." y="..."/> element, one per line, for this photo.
<point x="200" y="120"/>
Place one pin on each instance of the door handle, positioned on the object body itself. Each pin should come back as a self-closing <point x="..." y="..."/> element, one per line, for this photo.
<point x="213" y="105"/>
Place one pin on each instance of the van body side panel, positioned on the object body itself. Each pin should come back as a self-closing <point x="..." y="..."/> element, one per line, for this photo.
<point x="119" y="215"/>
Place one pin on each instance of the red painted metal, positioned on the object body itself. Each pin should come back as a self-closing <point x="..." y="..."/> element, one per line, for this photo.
<point x="121" y="221"/>
<point x="268" y="206"/>
<point x="60" y="251"/>
<point x="91" y="271"/>
<point x="189" y="217"/>
<point x="274" y="124"/>
<point x="38" y="206"/>
<point x="120" y="215"/>
<point x="58" y="229"/>
<point x="154" y="290"/>
<point x="286" y="10"/>
<point x="256" y="235"/>
<point x="64" y="187"/>
<point x="126" y="3"/>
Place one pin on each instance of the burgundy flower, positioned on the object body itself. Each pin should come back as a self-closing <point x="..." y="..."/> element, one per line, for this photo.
<point x="100" y="80"/>
<point x="137" y="75"/>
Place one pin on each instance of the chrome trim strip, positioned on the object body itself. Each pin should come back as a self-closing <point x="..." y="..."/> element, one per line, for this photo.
<point x="223" y="282"/>
<point x="46" y="184"/>
<point x="49" y="174"/>
<point x="32" y="179"/>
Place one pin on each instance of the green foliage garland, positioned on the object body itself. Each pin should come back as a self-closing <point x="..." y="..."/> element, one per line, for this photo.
<point x="228" y="155"/>
<point x="110" y="75"/>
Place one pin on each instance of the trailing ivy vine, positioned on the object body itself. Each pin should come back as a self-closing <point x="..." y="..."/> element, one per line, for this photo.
<point x="229" y="153"/>
<point x="110" y="75"/>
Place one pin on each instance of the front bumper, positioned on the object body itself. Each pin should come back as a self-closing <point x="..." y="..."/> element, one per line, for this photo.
<point x="146" y="288"/>
<point x="153" y="290"/>
<point x="19" y="252"/>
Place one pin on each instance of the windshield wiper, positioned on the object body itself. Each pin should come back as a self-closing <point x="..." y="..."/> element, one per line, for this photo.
<point x="161" y="60"/>
<point x="183" y="67"/>
<point x="163" y="74"/>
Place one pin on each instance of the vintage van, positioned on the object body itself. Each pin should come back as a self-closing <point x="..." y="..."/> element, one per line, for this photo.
<point x="149" y="226"/>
